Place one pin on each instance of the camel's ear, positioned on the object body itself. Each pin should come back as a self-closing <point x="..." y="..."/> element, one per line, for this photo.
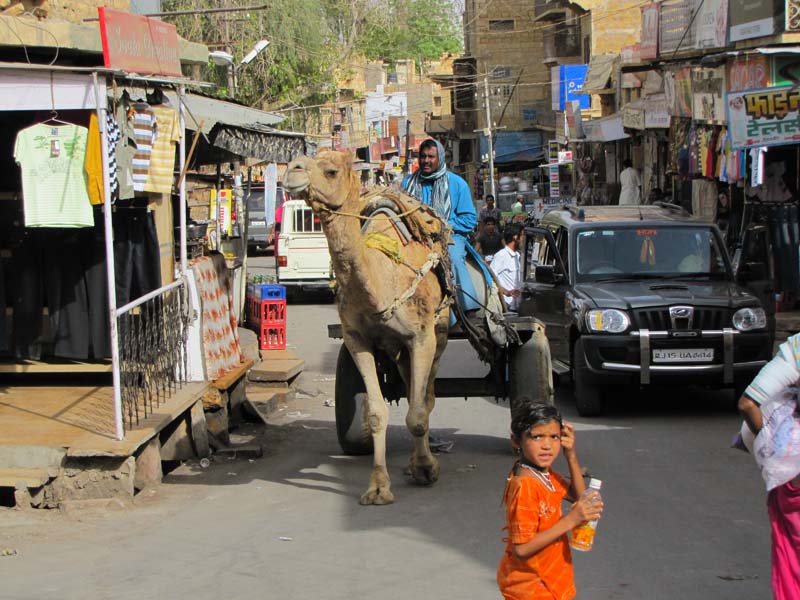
<point x="348" y="157"/>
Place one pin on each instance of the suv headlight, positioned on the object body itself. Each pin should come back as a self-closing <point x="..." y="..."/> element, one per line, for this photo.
<point x="607" y="320"/>
<point x="747" y="319"/>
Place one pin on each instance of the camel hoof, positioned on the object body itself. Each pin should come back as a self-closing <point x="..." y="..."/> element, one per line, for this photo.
<point x="424" y="474"/>
<point x="376" y="497"/>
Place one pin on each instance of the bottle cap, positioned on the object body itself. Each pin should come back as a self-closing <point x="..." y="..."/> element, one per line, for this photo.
<point x="595" y="484"/>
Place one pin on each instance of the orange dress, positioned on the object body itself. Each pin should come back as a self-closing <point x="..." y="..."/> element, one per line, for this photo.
<point x="532" y="507"/>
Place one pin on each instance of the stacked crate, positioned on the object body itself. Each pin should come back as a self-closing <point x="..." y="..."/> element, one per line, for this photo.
<point x="266" y="313"/>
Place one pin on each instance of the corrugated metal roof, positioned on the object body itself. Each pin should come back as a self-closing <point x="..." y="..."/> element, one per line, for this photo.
<point x="210" y="111"/>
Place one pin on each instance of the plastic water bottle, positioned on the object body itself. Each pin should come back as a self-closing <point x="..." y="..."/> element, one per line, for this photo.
<point x="582" y="537"/>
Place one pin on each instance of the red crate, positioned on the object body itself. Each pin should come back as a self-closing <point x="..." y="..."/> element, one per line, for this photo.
<point x="268" y="318"/>
<point x="272" y="337"/>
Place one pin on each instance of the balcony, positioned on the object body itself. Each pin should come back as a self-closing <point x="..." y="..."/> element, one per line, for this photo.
<point x="563" y="45"/>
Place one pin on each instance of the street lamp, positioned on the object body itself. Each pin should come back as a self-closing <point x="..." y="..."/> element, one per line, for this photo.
<point x="223" y="58"/>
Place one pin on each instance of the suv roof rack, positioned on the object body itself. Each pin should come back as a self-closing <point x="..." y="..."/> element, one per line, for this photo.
<point x="672" y="207"/>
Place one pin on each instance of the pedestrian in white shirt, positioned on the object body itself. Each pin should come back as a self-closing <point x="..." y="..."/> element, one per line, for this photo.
<point x="631" y="184"/>
<point x="506" y="267"/>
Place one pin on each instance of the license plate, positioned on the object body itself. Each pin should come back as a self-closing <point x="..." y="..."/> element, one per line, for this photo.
<point x="683" y="355"/>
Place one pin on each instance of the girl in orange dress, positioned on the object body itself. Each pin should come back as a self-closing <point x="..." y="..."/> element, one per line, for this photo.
<point x="537" y="563"/>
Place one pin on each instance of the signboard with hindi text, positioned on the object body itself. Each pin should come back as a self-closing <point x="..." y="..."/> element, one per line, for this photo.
<point x="137" y="44"/>
<point x="769" y="117"/>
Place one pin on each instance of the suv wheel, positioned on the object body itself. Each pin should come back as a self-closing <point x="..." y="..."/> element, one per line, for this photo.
<point x="588" y="398"/>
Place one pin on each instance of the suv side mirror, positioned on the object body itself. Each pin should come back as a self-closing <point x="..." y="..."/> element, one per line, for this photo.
<point x="548" y="274"/>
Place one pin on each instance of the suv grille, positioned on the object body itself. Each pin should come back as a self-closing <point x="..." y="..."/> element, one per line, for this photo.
<point x="657" y="319"/>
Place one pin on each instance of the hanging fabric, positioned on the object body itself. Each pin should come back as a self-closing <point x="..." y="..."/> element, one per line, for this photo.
<point x="160" y="174"/>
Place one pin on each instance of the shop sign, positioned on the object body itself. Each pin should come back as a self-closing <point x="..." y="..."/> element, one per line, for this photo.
<point x="708" y="104"/>
<point x="711" y="24"/>
<point x="747" y="73"/>
<point x="678" y="90"/>
<point x="565" y="156"/>
<point x="633" y="118"/>
<point x="631" y="55"/>
<point x="676" y="32"/>
<point x="570" y="80"/>
<point x="785" y="70"/>
<point x="656" y="113"/>
<point x="555" y="184"/>
<point x="769" y="117"/>
<point x="754" y="18"/>
<point x="137" y="44"/>
<point x="552" y="151"/>
<point x="648" y="48"/>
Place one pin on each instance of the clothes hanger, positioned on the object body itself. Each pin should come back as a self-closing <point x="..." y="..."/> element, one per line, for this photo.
<point x="54" y="119"/>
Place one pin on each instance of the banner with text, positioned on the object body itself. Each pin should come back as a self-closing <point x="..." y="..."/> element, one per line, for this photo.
<point x="768" y="117"/>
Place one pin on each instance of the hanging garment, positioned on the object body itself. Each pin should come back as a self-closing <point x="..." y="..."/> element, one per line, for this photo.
<point x="220" y="333"/>
<point x="704" y="199"/>
<point x="162" y="158"/>
<point x="137" y="261"/>
<point x="53" y="180"/>
<point x="126" y="149"/>
<point x="145" y="131"/>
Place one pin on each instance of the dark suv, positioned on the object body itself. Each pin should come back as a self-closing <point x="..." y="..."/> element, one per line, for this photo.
<point x="640" y="295"/>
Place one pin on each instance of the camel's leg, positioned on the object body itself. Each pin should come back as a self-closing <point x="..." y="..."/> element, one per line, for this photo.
<point x="424" y="468"/>
<point x="379" y="490"/>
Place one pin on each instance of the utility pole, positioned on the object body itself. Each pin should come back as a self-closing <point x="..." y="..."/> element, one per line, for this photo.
<point x="487" y="131"/>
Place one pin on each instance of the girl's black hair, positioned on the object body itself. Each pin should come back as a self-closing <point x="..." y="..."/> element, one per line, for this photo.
<point x="528" y="415"/>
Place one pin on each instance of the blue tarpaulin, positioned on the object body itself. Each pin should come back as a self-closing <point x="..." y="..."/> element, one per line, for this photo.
<point x="515" y="146"/>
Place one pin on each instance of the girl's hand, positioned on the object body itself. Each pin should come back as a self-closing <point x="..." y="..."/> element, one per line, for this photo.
<point x="568" y="438"/>
<point x="588" y="508"/>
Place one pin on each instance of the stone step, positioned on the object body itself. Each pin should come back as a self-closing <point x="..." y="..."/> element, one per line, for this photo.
<point x="276" y="366"/>
<point x="263" y="400"/>
<point x="27" y="478"/>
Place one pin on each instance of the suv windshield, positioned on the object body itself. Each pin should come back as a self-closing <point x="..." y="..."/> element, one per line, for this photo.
<point x="643" y="252"/>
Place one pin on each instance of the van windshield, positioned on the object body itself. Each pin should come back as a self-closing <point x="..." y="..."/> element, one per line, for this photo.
<point x="642" y="252"/>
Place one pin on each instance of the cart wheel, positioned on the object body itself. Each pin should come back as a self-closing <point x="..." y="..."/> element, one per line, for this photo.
<point x="588" y="398"/>
<point x="351" y="424"/>
<point x="531" y="371"/>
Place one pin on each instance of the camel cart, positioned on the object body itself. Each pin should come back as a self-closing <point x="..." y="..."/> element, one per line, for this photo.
<point x="521" y="370"/>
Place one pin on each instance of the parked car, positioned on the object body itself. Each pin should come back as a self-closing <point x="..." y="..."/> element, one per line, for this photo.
<point x="261" y="227"/>
<point x="301" y="251"/>
<point x="639" y="296"/>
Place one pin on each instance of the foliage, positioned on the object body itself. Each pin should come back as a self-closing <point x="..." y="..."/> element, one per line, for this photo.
<point x="311" y="39"/>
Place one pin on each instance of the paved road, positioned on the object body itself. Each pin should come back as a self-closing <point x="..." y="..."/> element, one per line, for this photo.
<point x="685" y="515"/>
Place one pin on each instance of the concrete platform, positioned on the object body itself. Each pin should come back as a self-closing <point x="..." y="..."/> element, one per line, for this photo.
<point x="79" y="420"/>
<point x="277" y="366"/>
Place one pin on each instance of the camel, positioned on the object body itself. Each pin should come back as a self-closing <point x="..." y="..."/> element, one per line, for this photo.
<point x="375" y="307"/>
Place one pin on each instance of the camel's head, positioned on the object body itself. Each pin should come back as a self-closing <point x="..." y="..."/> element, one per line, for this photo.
<point x="326" y="181"/>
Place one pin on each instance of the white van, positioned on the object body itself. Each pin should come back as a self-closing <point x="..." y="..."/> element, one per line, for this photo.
<point x="301" y="249"/>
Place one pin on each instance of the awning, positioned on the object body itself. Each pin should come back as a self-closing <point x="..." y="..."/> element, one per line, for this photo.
<point x="206" y="112"/>
<point x="515" y="146"/>
<point x="607" y="129"/>
<point x="262" y="143"/>
<point x="598" y="74"/>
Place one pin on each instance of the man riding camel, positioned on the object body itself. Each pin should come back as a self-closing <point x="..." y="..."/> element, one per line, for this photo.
<point x="449" y="195"/>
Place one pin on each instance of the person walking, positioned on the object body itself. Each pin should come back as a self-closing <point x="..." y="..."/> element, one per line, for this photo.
<point x="506" y="268"/>
<point x="518" y="208"/>
<point x="490" y="240"/>
<point x="448" y="195"/>
<point x="537" y="563"/>
<point x="488" y="211"/>
<point x="630" y="195"/>
<point x="771" y="432"/>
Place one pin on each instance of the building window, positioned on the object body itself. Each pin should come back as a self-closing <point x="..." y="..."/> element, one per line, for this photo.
<point x="437" y="101"/>
<point x="500" y="72"/>
<point x="504" y="91"/>
<point x="528" y="114"/>
<point x="501" y="25"/>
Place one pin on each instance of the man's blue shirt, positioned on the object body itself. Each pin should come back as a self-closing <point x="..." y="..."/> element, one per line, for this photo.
<point x="463" y="216"/>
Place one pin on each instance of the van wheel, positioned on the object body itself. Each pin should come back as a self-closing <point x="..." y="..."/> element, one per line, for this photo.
<point x="588" y="398"/>
<point x="352" y="431"/>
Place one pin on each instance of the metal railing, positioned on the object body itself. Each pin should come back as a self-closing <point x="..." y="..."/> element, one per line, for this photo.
<point x="152" y="350"/>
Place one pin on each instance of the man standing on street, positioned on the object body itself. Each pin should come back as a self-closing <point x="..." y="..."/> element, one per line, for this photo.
<point x="506" y="267"/>
<point x="631" y="184"/>
<point x="489" y="210"/>
<point x="490" y="240"/>
<point x="517" y="208"/>
<point x="449" y="195"/>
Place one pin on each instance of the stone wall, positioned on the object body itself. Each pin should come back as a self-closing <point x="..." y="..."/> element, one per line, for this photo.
<point x="68" y="10"/>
